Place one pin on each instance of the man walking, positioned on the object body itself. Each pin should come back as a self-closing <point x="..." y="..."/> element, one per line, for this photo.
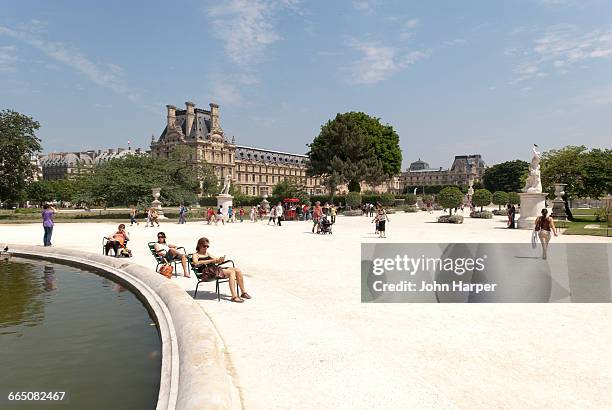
<point x="279" y="213"/>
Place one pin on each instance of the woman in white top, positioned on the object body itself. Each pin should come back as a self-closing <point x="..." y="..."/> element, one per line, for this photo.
<point x="253" y="214"/>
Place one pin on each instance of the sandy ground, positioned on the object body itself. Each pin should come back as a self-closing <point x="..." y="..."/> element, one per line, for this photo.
<point x="305" y="341"/>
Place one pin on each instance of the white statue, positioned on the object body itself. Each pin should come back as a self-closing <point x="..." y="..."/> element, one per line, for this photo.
<point x="414" y="193"/>
<point x="534" y="183"/>
<point x="226" y="185"/>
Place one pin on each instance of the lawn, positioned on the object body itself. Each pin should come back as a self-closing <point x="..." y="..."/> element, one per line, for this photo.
<point x="582" y="218"/>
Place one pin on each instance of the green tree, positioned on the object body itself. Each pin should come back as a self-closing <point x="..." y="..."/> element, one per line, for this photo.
<point x="387" y="199"/>
<point x="597" y="173"/>
<point x="410" y="199"/>
<point x="450" y="197"/>
<point x="481" y="197"/>
<point x="128" y="180"/>
<point x="355" y="147"/>
<point x="564" y="166"/>
<point x="500" y="198"/>
<point x="514" y="198"/>
<point x="507" y="176"/>
<point x="18" y="144"/>
<point x="40" y="192"/>
<point x="290" y="189"/>
<point x="353" y="199"/>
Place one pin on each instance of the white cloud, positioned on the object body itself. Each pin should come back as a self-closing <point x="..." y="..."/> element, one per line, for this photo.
<point x="246" y="27"/>
<point x="562" y="46"/>
<point x="412" y="23"/>
<point x="455" y="42"/>
<point x="225" y="93"/>
<point x="596" y="96"/>
<point x="8" y="58"/>
<point x="378" y="62"/>
<point x="109" y="75"/>
<point x="366" y="6"/>
<point x="407" y="28"/>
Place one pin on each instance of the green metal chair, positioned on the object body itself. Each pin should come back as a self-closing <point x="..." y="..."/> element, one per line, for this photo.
<point x="201" y="278"/>
<point x="162" y="260"/>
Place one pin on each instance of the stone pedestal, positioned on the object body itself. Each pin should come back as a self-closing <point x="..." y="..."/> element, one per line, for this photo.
<point x="265" y="204"/>
<point x="226" y="201"/>
<point x="532" y="204"/>
<point x="157" y="203"/>
<point x="558" y="209"/>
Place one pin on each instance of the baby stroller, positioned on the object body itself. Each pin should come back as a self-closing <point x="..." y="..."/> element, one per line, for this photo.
<point x="325" y="226"/>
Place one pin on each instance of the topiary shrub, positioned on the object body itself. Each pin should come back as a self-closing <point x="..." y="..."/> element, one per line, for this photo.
<point x="352" y="213"/>
<point x="481" y="214"/>
<point x="514" y="198"/>
<point x="449" y="197"/>
<point x="451" y="219"/>
<point x="387" y="199"/>
<point x="411" y="208"/>
<point x="503" y="212"/>
<point x="482" y="197"/>
<point x="410" y="199"/>
<point x="353" y="199"/>
<point x="500" y="198"/>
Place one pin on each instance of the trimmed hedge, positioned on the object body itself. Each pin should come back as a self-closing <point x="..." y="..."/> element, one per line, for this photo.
<point x="451" y="219"/>
<point x="503" y="212"/>
<point x="352" y="213"/>
<point x="481" y="214"/>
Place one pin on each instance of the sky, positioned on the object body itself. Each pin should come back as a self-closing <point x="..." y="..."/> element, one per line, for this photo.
<point x="452" y="77"/>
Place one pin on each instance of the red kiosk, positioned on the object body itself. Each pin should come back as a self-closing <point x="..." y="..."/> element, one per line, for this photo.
<point x="288" y="213"/>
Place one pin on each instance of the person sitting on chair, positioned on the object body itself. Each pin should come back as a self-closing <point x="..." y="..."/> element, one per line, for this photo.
<point x="170" y="252"/>
<point x="209" y="267"/>
<point x="116" y="240"/>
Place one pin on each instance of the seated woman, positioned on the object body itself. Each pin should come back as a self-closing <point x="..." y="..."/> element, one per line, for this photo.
<point x="116" y="240"/>
<point x="208" y="266"/>
<point x="170" y="252"/>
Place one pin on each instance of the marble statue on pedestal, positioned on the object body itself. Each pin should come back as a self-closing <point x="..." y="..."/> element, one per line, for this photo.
<point x="226" y="185"/>
<point x="534" y="183"/>
<point x="532" y="198"/>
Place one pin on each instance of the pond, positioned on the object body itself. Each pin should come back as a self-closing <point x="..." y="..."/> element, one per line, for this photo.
<point x="66" y="329"/>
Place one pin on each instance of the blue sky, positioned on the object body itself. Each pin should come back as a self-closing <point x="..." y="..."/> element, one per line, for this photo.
<point x="452" y="77"/>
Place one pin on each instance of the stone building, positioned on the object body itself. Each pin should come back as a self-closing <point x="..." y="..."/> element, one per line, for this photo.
<point x="254" y="171"/>
<point x="464" y="168"/>
<point x="60" y="165"/>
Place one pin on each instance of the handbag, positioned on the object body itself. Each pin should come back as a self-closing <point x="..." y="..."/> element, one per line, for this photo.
<point x="166" y="270"/>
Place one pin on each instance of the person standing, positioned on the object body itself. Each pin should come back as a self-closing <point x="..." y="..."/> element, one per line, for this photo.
<point x="253" y="214"/>
<point x="210" y="215"/>
<point x="48" y="214"/>
<point x="133" y="214"/>
<point x="544" y="224"/>
<point x="241" y="214"/>
<point x="333" y="211"/>
<point x="182" y="214"/>
<point x="230" y="214"/>
<point x="381" y="219"/>
<point x="513" y="218"/>
<point x="272" y="216"/>
<point x="279" y="213"/>
<point x="219" y="216"/>
<point x="154" y="216"/>
<point x="317" y="212"/>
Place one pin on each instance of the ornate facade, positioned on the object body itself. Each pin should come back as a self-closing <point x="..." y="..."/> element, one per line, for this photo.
<point x="254" y="171"/>
<point x="61" y="165"/>
<point x="464" y="168"/>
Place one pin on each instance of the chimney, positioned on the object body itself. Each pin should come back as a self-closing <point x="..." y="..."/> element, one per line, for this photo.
<point x="190" y="117"/>
<point x="214" y="116"/>
<point x="171" y="115"/>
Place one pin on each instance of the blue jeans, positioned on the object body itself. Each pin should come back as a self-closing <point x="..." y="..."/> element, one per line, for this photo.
<point x="47" y="236"/>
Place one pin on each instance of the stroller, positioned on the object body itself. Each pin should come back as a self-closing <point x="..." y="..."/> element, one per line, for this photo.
<point x="325" y="226"/>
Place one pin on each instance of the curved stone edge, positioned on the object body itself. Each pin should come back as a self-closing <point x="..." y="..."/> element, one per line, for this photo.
<point x="194" y="373"/>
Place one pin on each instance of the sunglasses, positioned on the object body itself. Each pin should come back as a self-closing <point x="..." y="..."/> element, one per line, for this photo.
<point x="161" y="237"/>
<point x="205" y="246"/>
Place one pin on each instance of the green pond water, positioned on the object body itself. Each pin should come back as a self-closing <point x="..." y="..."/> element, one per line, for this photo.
<point x="66" y="329"/>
